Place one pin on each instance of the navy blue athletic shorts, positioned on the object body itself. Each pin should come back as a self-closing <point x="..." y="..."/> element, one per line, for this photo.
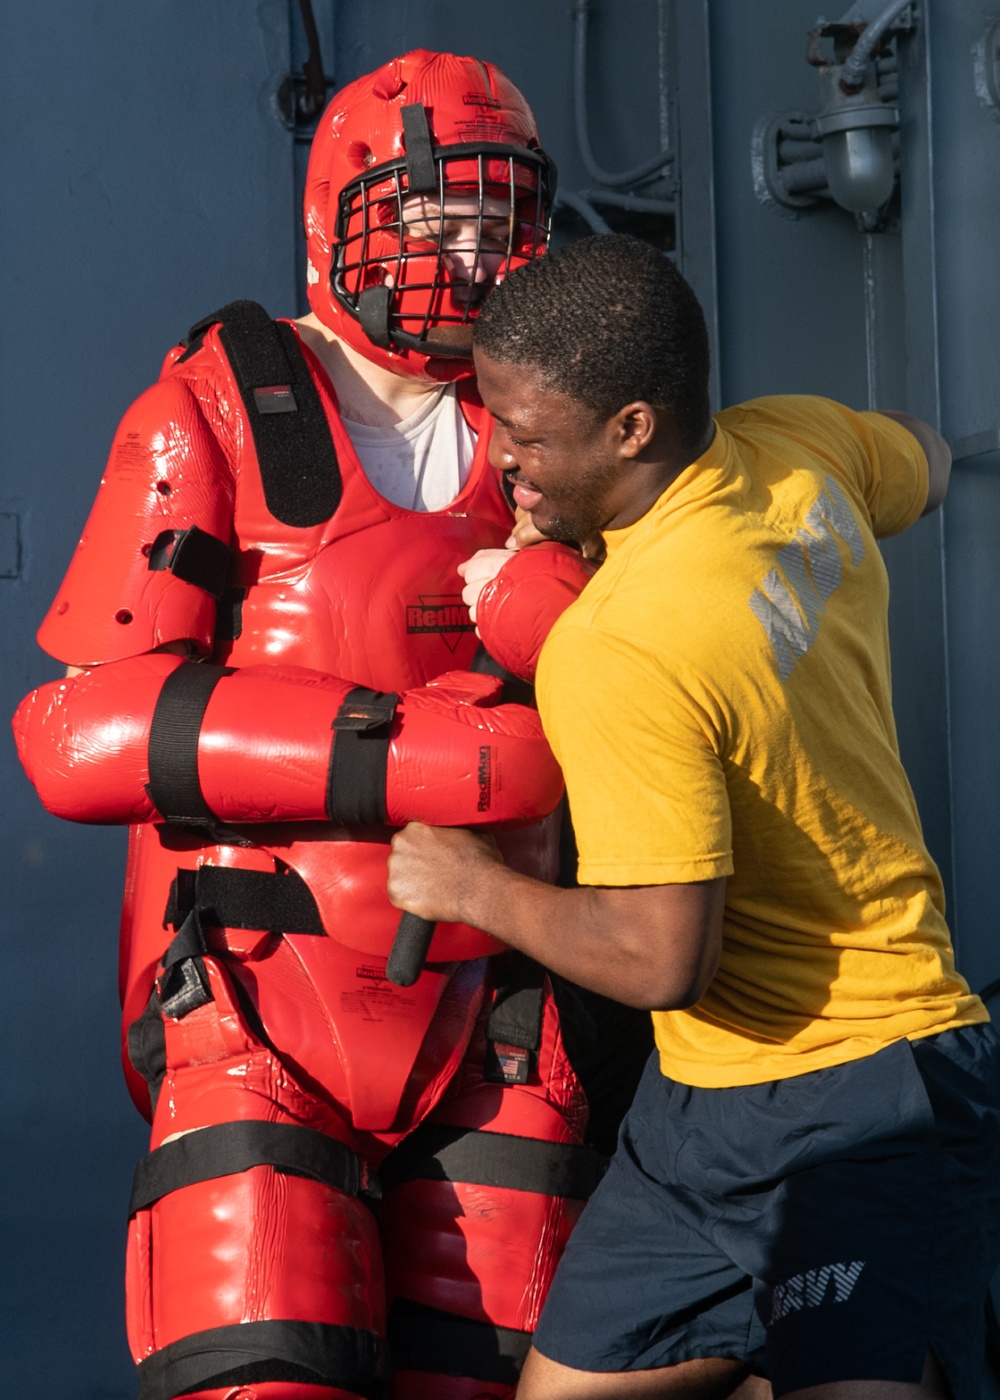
<point x="831" y="1226"/>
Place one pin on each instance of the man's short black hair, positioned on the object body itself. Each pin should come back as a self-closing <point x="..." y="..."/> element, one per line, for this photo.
<point x="607" y="320"/>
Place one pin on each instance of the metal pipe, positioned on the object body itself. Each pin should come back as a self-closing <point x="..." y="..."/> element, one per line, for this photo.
<point x="852" y="77"/>
<point x="804" y="178"/>
<point x="791" y="151"/>
<point x="638" y="203"/>
<point x="603" y="177"/>
<point x="584" y="208"/>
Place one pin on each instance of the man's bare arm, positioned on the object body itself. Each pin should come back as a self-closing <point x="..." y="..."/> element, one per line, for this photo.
<point x="936" y="450"/>
<point x="656" y="947"/>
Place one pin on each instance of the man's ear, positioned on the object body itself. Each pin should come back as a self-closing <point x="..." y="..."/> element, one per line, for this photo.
<point x="634" y="428"/>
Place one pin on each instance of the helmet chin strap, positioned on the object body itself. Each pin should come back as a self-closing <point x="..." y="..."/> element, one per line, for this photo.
<point x="373" y="313"/>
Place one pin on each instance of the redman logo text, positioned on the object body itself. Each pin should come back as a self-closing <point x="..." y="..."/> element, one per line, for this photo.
<point x="484" y="776"/>
<point x="444" y="613"/>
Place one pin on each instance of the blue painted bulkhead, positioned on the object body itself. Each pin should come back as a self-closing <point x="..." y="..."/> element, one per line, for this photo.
<point x="148" y="178"/>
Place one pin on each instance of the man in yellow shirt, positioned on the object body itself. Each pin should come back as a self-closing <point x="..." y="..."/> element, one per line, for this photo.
<point x="806" y="1188"/>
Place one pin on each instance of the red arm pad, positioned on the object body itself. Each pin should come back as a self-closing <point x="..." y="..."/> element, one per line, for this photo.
<point x="516" y="609"/>
<point x="166" y="473"/>
<point x="452" y="755"/>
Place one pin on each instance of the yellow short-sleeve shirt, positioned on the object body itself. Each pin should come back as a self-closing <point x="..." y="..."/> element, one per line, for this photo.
<point x="719" y="699"/>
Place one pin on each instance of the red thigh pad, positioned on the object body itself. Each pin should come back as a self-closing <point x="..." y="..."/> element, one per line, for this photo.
<point x="253" y="1259"/>
<point x="478" y="1205"/>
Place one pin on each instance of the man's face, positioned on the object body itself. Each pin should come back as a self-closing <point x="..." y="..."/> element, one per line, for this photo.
<point x="556" y="453"/>
<point x="472" y="252"/>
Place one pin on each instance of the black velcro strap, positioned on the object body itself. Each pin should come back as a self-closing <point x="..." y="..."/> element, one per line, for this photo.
<point x="436" y="1152"/>
<point x="421" y="173"/>
<point x="226" y="1149"/>
<point x="173" y="742"/>
<point x="374" y="306"/>
<point x="516" y="1015"/>
<point x="183" y="985"/>
<point x="298" y="463"/>
<point x="426" y="1339"/>
<point x="251" y="899"/>
<point x="310" y="1353"/>
<point x="194" y="556"/>
<point x="355" y="793"/>
<point x="515" y="690"/>
<point x="229" y="615"/>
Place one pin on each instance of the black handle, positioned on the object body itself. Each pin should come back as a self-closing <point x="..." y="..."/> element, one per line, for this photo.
<point x="409" y="949"/>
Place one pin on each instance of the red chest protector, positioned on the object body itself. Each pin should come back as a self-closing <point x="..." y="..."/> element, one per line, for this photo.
<point x="241" y="440"/>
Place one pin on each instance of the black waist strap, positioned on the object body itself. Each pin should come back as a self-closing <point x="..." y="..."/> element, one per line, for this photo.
<point x="437" y="1152"/>
<point x="425" y="1339"/>
<point x="251" y="899"/>
<point x="311" y="1353"/>
<point x="226" y="1149"/>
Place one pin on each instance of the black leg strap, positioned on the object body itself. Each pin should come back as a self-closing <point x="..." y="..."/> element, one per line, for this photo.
<point x="437" y="1152"/>
<point x="183" y="984"/>
<point x="356" y="782"/>
<point x="516" y="1014"/>
<point x="173" y="787"/>
<point x="426" y="1339"/>
<point x="311" y="1353"/>
<point x="227" y="1149"/>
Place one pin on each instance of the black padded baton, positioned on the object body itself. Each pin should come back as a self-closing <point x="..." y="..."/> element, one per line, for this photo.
<point x="409" y="949"/>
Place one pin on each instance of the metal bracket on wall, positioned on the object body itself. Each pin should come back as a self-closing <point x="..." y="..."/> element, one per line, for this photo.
<point x="301" y="97"/>
<point x="847" y="153"/>
<point x="10" y="545"/>
<point x="977" y="450"/>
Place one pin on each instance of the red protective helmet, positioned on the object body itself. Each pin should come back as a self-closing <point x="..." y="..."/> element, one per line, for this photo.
<point x="428" y="131"/>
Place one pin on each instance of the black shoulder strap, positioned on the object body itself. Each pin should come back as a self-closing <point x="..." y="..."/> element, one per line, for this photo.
<point x="298" y="462"/>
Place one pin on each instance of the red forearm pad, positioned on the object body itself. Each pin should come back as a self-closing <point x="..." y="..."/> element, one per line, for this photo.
<point x="516" y="609"/>
<point x="453" y="757"/>
<point x="458" y="758"/>
<point x="263" y="749"/>
<point x="83" y="740"/>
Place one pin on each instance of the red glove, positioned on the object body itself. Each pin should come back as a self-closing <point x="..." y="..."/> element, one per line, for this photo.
<point x="516" y="610"/>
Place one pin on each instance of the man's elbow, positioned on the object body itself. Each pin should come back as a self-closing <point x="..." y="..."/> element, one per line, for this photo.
<point x="673" y="987"/>
<point x="672" y="996"/>
<point x="935" y="449"/>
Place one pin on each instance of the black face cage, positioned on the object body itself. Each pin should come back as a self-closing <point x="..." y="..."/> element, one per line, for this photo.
<point x="402" y="316"/>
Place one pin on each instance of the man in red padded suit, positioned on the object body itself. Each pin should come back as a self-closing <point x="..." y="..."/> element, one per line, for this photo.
<point x="355" y="1188"/>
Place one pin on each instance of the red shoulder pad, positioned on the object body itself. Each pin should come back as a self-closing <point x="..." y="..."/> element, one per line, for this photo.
<point x="517" y="609"/>
<point x="124" y="593"/>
